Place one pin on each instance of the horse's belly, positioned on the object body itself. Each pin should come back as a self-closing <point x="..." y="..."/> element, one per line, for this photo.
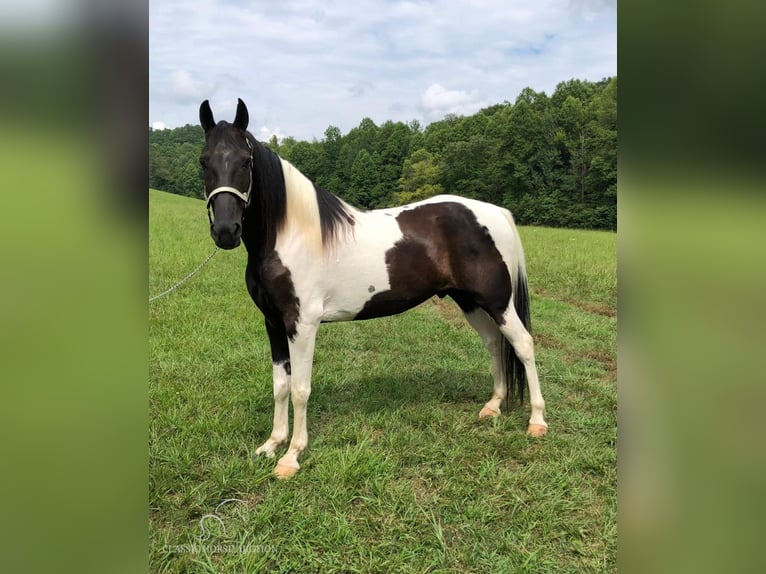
<point x="352" y="285"/>
<point x="357" y="270"/>
<point x="371" y="306"/>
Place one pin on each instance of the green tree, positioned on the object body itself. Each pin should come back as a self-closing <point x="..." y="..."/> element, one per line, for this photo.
<point x="438" y="134"/>
<point x="464" y="166"/>
<point x="573" y="136"/>
<point x="189" y="181"/>
<point x="365" y="189"/>
<point x="307" y="157"/>
<point x="602" y="176"/>
<point x="551" y="160"/>
<point x="359" y="138"/>
<point x="532" y="162"/>
<point x="160" y="169"/>
<point x="419" y="179"/>
<point x="331" y="144"/>
<point x="391" y="145"/>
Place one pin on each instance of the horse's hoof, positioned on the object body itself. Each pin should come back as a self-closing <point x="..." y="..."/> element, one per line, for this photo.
<point x="488" y="412"/>
<point x="265" y="451"/>
<point x="537" y="430"/>
<point x="284" y="471"/>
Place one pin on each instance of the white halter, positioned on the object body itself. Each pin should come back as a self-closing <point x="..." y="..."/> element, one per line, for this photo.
<point x="227" y="189"/>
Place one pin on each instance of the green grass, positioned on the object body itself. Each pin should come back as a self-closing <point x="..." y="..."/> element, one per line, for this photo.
<point x="400" y="475"/>
<point x="573" y="264"/>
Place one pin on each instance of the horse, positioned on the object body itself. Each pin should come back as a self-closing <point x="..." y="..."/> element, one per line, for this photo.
<point x="312" y="258"/>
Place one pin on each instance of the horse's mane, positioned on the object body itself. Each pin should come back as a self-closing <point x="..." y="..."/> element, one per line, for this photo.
<point x="335" y="217"/>
<point x="294" y="203"/>
<point x="269" y="184"/>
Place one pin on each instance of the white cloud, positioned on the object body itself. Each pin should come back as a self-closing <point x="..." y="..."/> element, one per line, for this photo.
<point x="265" y="133"/>
<point x="159" y="126"/>
<point x="183" y="85"/>
<point x="438" y="101"/>
<point x="303" y="65"/>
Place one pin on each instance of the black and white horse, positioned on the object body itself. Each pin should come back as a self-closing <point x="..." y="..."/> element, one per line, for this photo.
<point x="313" y="258"/>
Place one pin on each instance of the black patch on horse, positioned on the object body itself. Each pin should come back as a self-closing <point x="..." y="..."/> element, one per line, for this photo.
<point x="443" y="251"/>
<point x="271" y="287"/>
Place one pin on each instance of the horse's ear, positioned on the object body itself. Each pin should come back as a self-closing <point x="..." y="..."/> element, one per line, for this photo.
<point x="242" y="118"/>
<point x="206" y="116"/>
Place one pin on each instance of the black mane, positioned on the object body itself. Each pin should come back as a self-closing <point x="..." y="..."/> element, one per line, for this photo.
<point x="334" y="218"/>
<point x="269" y="185"/>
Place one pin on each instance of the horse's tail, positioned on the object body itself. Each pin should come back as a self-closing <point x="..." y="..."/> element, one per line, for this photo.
<point x="515" y="373"/>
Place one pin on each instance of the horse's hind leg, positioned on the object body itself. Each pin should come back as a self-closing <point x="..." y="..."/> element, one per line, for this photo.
<point x="523" y="345"/>
<point x="492" y="339"/>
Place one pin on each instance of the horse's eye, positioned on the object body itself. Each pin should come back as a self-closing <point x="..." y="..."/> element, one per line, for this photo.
<point x="203" y="163"/>
<point x="247" y="163"/>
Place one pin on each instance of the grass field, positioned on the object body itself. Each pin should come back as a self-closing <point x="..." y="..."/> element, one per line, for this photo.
<point x="400" y="475"/>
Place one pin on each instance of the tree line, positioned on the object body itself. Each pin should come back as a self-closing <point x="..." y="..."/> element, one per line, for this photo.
<point x="550" y="160"/>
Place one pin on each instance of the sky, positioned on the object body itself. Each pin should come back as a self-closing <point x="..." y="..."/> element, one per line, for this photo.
<point x="301" y="65"/>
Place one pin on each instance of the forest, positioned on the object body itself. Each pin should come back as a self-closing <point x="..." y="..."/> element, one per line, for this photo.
<point x="551" y="160"/>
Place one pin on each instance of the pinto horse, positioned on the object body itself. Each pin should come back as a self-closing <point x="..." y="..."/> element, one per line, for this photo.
<point x="312" y="258"/>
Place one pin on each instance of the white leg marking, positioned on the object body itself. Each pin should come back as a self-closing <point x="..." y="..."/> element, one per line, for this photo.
<point x="301" y="359"/>
<point x="523" y="345"/>
<point x="281" y="428"/>
<point x="490" y="335"/>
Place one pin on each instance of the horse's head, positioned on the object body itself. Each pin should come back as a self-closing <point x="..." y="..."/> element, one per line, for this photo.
<point x="227" y="162"/>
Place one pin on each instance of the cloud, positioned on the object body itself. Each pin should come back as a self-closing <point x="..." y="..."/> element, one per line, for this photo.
<point x="360" y="88"/>
<point x="265" y="133"/>
<point x="438" y="101"/>
<point x="303" y="65"/>
<point x="184" y="87"/>
<point x="158" y="126"/>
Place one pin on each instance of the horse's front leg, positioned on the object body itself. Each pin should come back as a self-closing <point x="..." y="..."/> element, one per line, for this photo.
<point x="301" y="359"/>
<point x="280" y="356"/>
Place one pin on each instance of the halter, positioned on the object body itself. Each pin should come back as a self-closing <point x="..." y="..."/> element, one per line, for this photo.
<point x="245" y="197"/>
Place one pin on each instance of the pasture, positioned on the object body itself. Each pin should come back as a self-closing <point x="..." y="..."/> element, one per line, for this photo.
<point x="400" y="474"/>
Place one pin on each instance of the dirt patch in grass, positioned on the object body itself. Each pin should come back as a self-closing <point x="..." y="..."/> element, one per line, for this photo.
<point x="608" y="361"/>
<point x="251" y="500"/>
<point x="448" y="309"/>
<point x="594" y="308"/>
<point x="454" y="316"/>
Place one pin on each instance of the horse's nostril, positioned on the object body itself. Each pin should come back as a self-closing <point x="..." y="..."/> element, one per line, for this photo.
<point x="237" y="229"/>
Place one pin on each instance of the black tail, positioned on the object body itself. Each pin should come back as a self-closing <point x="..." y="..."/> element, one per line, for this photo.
<point x="515" y="373"/>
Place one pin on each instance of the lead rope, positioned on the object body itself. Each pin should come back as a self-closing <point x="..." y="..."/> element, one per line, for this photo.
<point x="185" y="279"/>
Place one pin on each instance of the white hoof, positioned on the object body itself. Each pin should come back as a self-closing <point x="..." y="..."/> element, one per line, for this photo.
<point x="537" y="430"/>
<point x="286" y="469"/>
<point x="488" y="412"/>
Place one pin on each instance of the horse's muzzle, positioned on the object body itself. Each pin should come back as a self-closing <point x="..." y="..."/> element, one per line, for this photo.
<point x="226" y="235"/>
